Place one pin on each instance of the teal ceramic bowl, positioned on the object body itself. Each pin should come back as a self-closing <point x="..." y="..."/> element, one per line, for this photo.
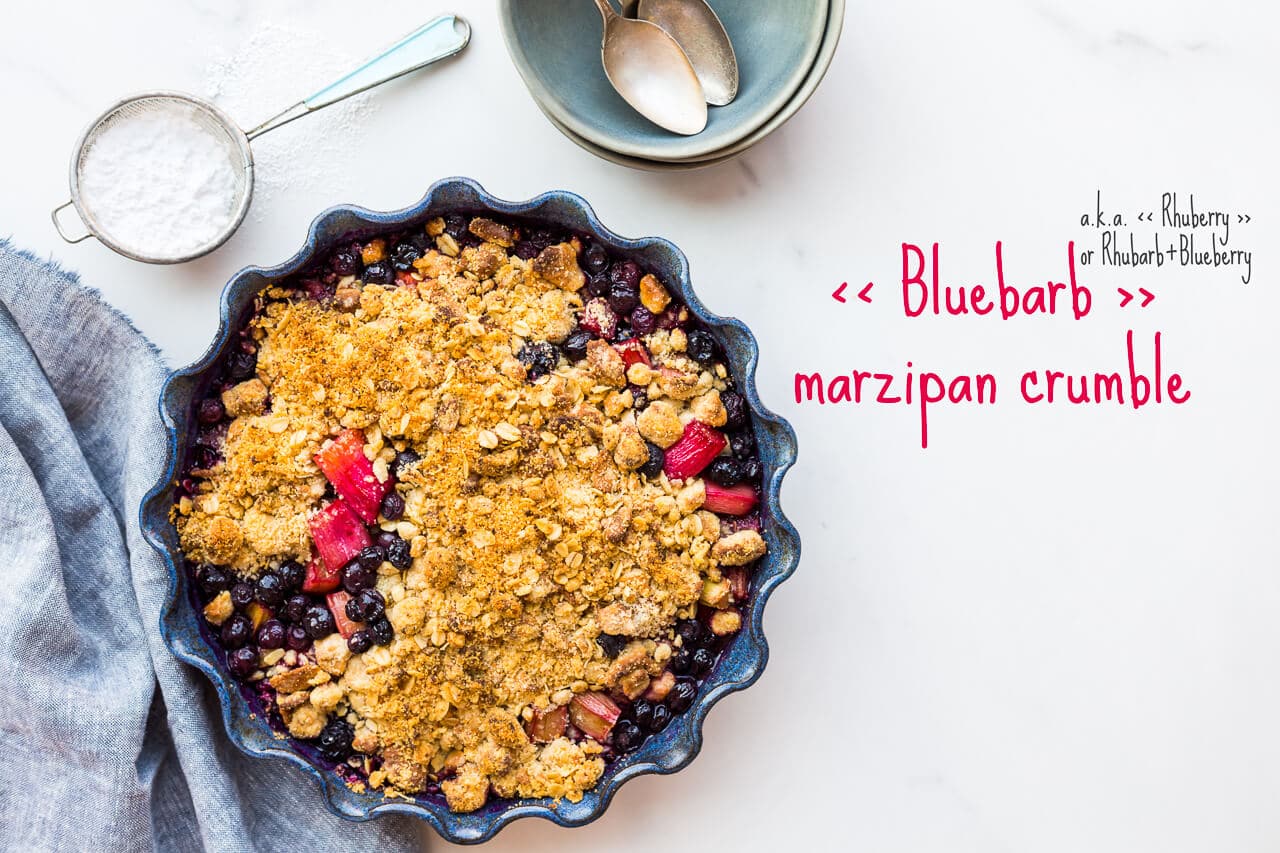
<point x="555" y="45"/>
<point x="835" y="22"/>
<point x="739" y="664"/>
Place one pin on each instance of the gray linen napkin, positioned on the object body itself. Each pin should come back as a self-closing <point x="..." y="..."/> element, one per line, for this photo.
<point x="107" y="740"/>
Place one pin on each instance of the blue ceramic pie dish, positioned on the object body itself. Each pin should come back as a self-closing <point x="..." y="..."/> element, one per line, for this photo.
<point x="738" y="667"/>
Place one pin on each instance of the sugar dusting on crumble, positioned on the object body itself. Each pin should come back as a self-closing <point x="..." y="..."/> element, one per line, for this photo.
<point x="530" y="530"/>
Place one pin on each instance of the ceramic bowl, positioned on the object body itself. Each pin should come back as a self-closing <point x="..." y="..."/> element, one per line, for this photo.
<point x="738" y="667"/>
<point x="555" y="45"/>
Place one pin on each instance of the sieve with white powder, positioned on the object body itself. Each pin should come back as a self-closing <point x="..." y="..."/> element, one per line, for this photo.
<point x="160" y="183"/>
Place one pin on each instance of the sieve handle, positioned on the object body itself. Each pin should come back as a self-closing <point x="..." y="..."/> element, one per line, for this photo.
<point x="57" y="223"/>
<point x="435" y="40"/>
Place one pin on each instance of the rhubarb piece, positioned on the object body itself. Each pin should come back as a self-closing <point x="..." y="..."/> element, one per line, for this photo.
<point x="338" y="607"/>
<point x="548" y="725"/>
<point x="729" y="500"/>
<point x="594" y="714"/>
<point x="633" y="352"/>
<point x="746" y="522"/>
<point x="319" y="578"/>
<point x="694" y="451"/>
<point x="739" y="583"/>
<point x="599" y="319"/>
<point x="338" y="534"/>
<point x="344" y="464"/>
<point x="659" y="687"/>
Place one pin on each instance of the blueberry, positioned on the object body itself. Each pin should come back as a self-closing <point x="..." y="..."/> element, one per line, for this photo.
<point x="360" y="641"/>
<point x="355" y="609"/>
<point x="725" y="471"/>
<point x="335" y="739"/>
<point x="378" y="272"/>
<point x="702" y="660"/>
<point x="681" y="695"/>
<point x="653" y="467"/>
<point x="271" y="634"/>
<point x="642" y="712"/>
<point x="611" y="644"/>
<point x="296" y="638"/>
<point x="627" y="738"/>
<point x="623" y="297"/>
<point x="292" y="574"/>
<point x="372" y="605"/>
<point x="595" y="259"/>
<point x="752" y="470"/>
<point x="295" y="609"/>
<point x="661" y="716"/>
<point x="399" y="555"/>
<point x="344" y="262"/>
<point x="241" y="595"/>
<point x="575" y="346"/>
<point x="701" y="347"/>
<point x="386" y="538"/>
<point x="403" y="458"/>
<point x="526" y="250"/>
<point x="625" y="272"/>
<point x="690" y="632"/>
<point x="241" y="365"/>
<point x="212" y="580"/>
<point x="639" y="398"/>
<point x="318" y="622"/>
<point x="681" y="661"/>
<point x="372" y="556"/>
<point x="596" y="285"/>
<point x="742" y="443"/>
<point x="393" y="506"/>
<point x="236" y="630"/>
<point x="541" y="358"/>
<point x="210" y="410"/>
<point x="270" y="589"/>
<point x="403" y="256"/>
<point x="455" y="225"/>
<point x="382" y="631"/>
<point x="242" y="662"/>
<point x="356" y="577"/>
<point x="643" y="321"/>
<point x="735" y="409"/>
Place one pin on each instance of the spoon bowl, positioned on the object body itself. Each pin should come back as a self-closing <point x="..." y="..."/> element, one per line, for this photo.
<point x="697" y="29"/>
<point x="651" y="72"/>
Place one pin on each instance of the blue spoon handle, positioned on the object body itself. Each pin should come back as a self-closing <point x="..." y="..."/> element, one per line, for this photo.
<point x="435" y="40"/>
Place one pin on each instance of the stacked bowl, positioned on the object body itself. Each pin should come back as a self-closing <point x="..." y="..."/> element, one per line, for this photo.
<point x="783" y="51"/>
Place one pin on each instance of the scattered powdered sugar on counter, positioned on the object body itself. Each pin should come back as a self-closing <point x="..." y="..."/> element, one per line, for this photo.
<point x="277" y="66"/>
<point x="160" y="183"/>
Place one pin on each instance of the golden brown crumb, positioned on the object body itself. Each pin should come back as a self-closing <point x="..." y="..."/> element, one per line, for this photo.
<point x="530" y="531"/>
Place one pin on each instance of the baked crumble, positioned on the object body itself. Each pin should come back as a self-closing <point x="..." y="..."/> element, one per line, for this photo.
<point x="473" y="508"/>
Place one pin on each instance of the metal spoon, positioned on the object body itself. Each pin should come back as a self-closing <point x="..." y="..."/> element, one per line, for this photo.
<point x="651" y="73"/>
<point x="697" y="28"/>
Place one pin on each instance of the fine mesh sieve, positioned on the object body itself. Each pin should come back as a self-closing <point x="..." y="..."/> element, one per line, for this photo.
<point x="437" y="39"/>
<point x="211" y="120"/>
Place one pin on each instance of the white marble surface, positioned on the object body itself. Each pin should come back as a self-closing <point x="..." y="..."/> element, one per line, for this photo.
<point x="1054" y="630"/>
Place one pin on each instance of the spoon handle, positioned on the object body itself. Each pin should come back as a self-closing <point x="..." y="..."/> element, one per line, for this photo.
<point x="606" y="10"/>
<point x="435" y="40"/>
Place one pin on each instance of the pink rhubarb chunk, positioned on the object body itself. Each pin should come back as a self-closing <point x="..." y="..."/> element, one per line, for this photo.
<point x="338" y="534"/>
<point x="594" y="714"/>
<point x="694" y="451"/>
<point x="344" y="464"/>
<point x="729" y="500"/>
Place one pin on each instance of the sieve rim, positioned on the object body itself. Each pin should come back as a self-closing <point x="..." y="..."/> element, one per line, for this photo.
<point x="242" y="146"/>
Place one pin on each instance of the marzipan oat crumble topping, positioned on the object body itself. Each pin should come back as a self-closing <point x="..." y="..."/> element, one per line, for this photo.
<point x="472" y="508"/>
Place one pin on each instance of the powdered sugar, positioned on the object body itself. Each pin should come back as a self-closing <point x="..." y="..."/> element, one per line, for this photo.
<point x="160" y="183"/>
<point x="275" y="66"/>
